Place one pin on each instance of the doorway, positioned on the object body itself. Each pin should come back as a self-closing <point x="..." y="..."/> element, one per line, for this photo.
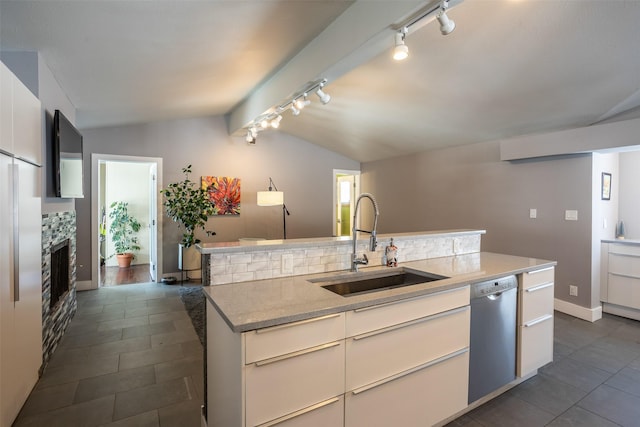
<point x="136" y="181"/>
<point x="345" y="190"/>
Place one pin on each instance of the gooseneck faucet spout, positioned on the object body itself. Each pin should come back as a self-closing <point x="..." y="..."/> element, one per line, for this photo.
<point x="355" y="261"/>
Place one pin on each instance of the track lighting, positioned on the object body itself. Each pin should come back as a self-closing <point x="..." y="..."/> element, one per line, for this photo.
<point x="401" y="50"/>
<point x="324" y="97"/>
<point x="295" y="102"/>
<point x="446" y="25"/>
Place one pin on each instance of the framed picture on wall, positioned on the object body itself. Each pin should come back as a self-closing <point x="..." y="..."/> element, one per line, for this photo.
<point x="606" y="186"/>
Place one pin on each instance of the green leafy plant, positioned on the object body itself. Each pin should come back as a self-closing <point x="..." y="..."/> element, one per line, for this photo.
<point x="123" y="228"/>
<point x="188" y="205"/>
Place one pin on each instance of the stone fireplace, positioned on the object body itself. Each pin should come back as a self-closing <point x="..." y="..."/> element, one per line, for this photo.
<point x="58" y="278"/>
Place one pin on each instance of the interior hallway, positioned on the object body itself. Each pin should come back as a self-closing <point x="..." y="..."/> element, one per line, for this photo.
<point x="130" y="357"/>
<point x="112" y="276"/>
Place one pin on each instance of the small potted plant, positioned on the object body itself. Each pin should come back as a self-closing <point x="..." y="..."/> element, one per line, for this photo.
<point x="123" y="231"/>
<point x="188" y="205"/>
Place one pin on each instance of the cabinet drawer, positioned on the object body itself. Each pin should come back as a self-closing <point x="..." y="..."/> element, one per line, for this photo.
<point x="386" y="352"/>
<point x="288" y="338"/>
<point x="624" y="264"/>
<point x="624" y="291"/>
<point x="624" y="249"/>
<point x="286" y="384"/>
<point x="535" y="347"/>
<point x="381" y="316"/>
<point x="421" y="397"/>
<point x="535" y="302"/>
<point x="324" y="414"/>
<point x="537" y="277"/>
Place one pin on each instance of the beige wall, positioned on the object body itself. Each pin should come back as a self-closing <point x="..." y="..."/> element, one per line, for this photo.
<point x="470" y="187"/>
<point x="303" y="171"/>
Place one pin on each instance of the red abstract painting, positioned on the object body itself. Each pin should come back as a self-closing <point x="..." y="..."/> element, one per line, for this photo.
<point x="224" y="194"/>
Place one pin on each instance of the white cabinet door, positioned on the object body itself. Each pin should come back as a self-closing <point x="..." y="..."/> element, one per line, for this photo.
<point x="6" y="111"/>
<point x="329" y="413"/>
<point x="420" y="397"/>
<point x="27" y="127"/>
<point x="383" y="353"/>
<point x="535" y="321"/>
<point x="285" y="384"/>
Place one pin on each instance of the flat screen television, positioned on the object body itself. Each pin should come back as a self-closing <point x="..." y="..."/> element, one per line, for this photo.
<point x="67" y="158"/>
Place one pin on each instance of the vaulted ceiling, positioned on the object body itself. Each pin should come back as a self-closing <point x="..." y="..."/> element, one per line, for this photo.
<point x="511" y="67"/>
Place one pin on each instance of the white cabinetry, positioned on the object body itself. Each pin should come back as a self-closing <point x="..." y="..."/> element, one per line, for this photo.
<point x="392" y="372"/>
<point x="20" y="246"/>
<point x="620" y="283"/>
<point x="535" y="320"/>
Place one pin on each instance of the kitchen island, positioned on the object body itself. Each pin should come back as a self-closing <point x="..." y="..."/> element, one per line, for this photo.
<point x="285" y="351"/>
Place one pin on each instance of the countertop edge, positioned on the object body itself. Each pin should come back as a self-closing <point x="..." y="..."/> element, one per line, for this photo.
<point x="384" y="296"/>
<point x="622" y="241"/>
<point x="261" y="245"/>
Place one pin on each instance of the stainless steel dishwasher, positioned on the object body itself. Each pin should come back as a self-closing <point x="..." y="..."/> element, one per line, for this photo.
<point x="492" y="352"/>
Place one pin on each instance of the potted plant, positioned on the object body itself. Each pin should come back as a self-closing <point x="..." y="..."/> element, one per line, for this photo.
<point x="188" y="205"/>
<point x="123" y="229"/>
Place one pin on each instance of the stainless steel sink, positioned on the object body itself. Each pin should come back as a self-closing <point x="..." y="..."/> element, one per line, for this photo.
<point x="360" y="283"/>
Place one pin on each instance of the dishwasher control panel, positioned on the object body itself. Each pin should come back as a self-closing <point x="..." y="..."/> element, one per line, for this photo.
<point x="491" y="287"/>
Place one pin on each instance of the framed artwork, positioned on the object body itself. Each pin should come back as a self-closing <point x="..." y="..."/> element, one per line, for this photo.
<point x="224" y="194"/>
<point x="606" y="186"/>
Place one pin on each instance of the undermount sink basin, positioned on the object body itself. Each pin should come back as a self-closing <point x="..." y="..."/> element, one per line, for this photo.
<point x="360" y="283"/>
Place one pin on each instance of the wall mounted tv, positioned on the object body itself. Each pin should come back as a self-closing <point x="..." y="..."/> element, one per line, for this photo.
<point x="67" y="158"/>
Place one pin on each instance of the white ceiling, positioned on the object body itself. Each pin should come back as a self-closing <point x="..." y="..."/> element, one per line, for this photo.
<point x="511" y="67"/>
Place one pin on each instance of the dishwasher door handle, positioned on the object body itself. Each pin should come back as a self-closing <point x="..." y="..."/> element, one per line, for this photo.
<point x="495" y="296"/>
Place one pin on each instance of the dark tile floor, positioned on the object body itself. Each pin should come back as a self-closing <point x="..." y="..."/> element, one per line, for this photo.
<point x="131" y="358"/>
<point x="594" y="380"/>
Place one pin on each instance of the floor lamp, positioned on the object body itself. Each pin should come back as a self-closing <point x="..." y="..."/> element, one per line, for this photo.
<point x="273" y="197"/>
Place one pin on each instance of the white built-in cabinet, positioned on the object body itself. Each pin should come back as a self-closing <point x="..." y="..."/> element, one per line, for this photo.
<point x="345" y="368"/>
<point x="620" y="279"/>
<point x="535" y="320"/>
<point x="20" y="245"/>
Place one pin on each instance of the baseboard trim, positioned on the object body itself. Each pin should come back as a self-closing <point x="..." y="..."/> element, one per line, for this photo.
<point x="619" y="310"/>
<point x="584" y="313"/>
<point x="84" y="285"/>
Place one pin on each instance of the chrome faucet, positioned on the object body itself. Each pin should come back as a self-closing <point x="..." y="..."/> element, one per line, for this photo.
<point x="355" y="261"/>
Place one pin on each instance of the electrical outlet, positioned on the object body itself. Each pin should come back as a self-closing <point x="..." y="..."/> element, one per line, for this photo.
<point x="571" y="215"/>
<point x="533" y="213"/>
<point x="573" y="290"/>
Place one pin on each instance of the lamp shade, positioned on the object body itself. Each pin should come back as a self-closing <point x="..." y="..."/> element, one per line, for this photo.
<point x="270" y="198"/>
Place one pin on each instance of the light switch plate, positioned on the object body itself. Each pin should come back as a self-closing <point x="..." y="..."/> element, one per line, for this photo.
<point x="571" y="215"/>
<point x="533" y="213"/>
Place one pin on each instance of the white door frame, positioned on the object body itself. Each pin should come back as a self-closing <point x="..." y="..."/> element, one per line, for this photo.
<point x="337" y="172"/>
<point x="96" y="158"/>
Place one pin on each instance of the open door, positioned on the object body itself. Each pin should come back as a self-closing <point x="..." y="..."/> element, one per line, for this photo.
<point x="346" y="188"/>
<point x="153" y="221"/>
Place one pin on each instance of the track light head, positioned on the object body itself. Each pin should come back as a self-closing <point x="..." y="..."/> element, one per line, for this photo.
<point x="295" y="111"/>
<point x="275" y="123"/>
<point x="401" y="50"/>
<point x="301" y="102"/>
<point x="251" y="139"/>
<point x="324" y="97"/>
<point x="446" y="25"/>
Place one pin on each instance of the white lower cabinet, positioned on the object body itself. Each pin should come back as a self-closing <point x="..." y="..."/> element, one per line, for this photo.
<point x="285" y="384"/>
<point x="535" y="320"/>
<point x="329" y="413"/>
<point x="420" y="397"/>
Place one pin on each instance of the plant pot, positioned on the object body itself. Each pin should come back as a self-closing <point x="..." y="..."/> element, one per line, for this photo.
<point x="124" y="260"/>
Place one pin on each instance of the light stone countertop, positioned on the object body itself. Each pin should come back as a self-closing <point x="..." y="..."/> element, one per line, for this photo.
<point x="246" y="306"/>
<point x="261" y="245"/>
<point x="622" y="241"/>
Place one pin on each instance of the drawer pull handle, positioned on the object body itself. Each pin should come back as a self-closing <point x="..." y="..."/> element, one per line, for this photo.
<point x="300" y="412"/>
<point x="289" y="325"/>
<point x="628" y="276"/>
<point x="538" y="320"/>
<point x="410" y="371"/>
<point x="540" y="271"/>
<point x="539" y="287"/>
<point x="297" y="353"/>
<point x="411" y="323"/>
<point x="374" y="307"/>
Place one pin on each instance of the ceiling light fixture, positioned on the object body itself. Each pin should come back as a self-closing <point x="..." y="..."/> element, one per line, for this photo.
<point x="324" y="97"/>
<point x="295" y="102"/>
<point x="401" y="50"/>
<point x="446" y="25"/>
